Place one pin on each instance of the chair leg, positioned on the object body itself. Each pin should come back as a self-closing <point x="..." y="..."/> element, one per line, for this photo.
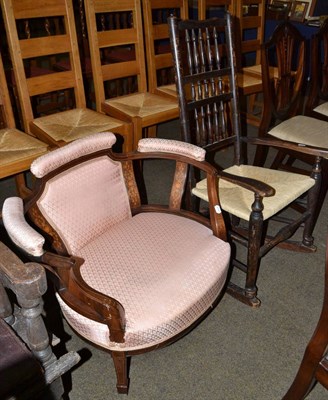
<point x="255" y="234"/>
<point x="248" y="295"/>
<point x="312" y="201"/>
<point x="121" y="369"/>
<point x="303" y="382"/>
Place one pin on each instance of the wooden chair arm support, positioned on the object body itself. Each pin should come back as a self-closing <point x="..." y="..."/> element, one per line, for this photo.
<point x="297" y="147"/>
<point x="179" y="184"/>
<point x="27" y="281"/>
<point x="83" y="298"/>
<point x="258" y="187"/>
<point x="95" y="305"/>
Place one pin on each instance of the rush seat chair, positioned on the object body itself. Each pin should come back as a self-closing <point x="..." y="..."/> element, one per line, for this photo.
<point x="59" y="44"/>
<point x="203" y="55"/>
<point x="130" y="277"/>
<point x="107" y="34"/>
<point x="17" y="149"/>
<point x="160" y="69"/>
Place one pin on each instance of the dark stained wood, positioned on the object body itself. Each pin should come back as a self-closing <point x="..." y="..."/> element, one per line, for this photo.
<point x="64" y="268"/>
<point x="38" y="367"/>
<point x="204" y="60"/>
<point x="314" y="366"/>
<point x="318" y="92"/>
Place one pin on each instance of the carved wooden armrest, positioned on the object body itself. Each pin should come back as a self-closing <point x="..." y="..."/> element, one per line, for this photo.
<point x="282" y="144"/>
<point x="84" y="299"/>
<point x="28" y="282"/>
<point x="20" y="232"/>
<point x="258" y="187"/>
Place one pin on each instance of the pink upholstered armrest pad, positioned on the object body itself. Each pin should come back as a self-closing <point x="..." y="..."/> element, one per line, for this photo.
<point x="20" y="232"/>
<point x="171" y="146"/>
<point x="80" y="147"/>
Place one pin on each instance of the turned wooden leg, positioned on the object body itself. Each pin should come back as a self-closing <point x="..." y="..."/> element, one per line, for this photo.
<point x="121" y="369"/>
<point x="312" y="202"/>
<point x="254" y="246"/>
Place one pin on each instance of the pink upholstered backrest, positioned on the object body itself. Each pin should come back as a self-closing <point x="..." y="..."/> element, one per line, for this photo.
<point x="84" y="201"/>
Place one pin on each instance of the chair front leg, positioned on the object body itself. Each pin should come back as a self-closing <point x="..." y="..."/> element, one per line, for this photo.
<point x="255" y="238"/>
<point x="121" y="369"/>
<point x="312" y="204"/>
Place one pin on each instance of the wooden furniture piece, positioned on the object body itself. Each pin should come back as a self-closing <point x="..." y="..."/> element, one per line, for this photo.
<point x="61" y="127"/>
<point x="158" y="49"/>
<point x="249" y="195"/>
<point x="132" y="277"/>
<point x="316" y="105"/>
<point x="317" y="102"/>
<point x="17" y="149"/>
<point x="248" y="20"/>
<point x="282" y="117"/>
<point x="109" y="34"/>
<point x="314" y="366"/>
<point x="28" y="367"/>
<point x="207" y="7"/>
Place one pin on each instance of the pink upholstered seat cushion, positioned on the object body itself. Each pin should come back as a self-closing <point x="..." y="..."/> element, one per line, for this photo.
<point x="165" y="270"/>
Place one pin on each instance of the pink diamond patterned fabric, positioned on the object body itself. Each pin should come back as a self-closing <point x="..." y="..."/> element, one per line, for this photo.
<point x="171" y="146"/>
<point x="164" y="269"/>
<point x="76" y="208"/>
<point x="80" y="147"/>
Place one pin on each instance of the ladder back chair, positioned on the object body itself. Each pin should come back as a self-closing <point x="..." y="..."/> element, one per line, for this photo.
<point x="158" y="49"/>
<point x="251" y="196"/>
<point x="132" y="277"/>
<point x="250" y="21"/>
<point x="17" y="149"/>
<point x="215" y="6"/>
<point x="61" y="127"/>
<point x="107" y="35"/>
<point x="314" y="365"/>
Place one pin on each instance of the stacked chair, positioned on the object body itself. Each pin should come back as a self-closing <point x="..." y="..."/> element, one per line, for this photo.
<point x="130" y="277"/>
<point x="158" y="49"/>
<point x="250" y="196"/>
<point x="27" y="43"/>
<point x="117" y="53"/>
<point x="17" y="149"/>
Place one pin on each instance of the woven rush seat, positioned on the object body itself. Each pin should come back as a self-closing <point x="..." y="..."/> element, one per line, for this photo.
<point x="157" y="307"/>
<point x="142" y="104"/>
<point x="304" y="130"/>
<point x="249" y="83"/>
<point x="18" y="148"/>
<point x="168" y="89"/>
<point x="68" y="125"/>
<point x="238" y="201"/>
<point x="322" y="109"/>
